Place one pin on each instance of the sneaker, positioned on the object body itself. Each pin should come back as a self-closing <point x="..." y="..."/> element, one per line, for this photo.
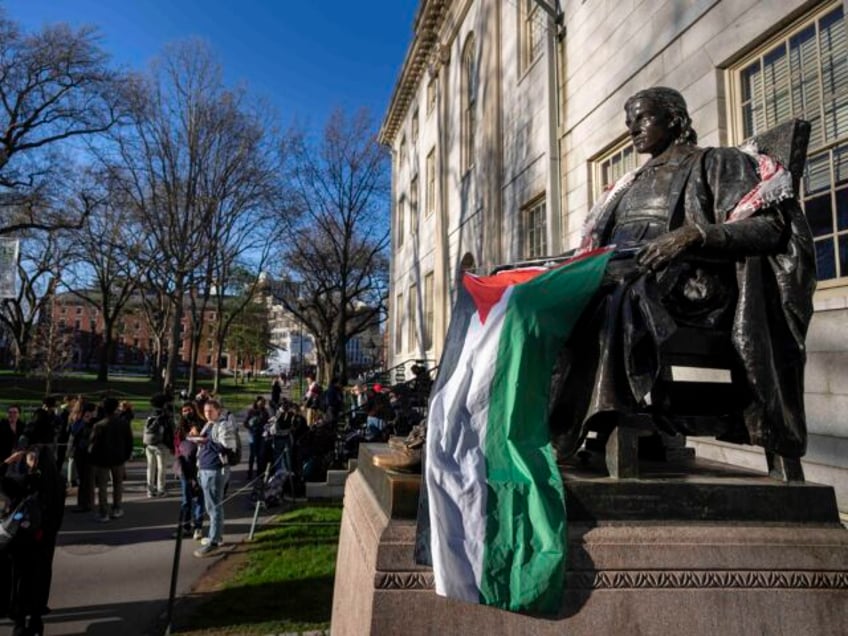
<point x="104" y="518"/>
<point x="207" y="550"/>
<point x="151" y="493"/>
<point x="207" y="541"/>
<point x="117" y="513"/>
<point x="161" y="493"/>
<point x="198" y="534"/>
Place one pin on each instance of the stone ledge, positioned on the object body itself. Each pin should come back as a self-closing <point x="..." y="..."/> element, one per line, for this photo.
<point x="649" y="576"/>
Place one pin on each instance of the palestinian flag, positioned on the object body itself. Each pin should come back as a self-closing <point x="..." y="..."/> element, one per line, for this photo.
<point x="496" y="499"/>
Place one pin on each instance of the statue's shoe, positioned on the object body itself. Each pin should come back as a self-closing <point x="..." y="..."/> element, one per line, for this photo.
<point x="404" y="461"/>
<point x="397" y="443"/>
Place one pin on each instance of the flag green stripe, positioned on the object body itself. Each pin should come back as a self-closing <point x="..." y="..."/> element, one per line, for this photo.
<point x="524" y="555"/>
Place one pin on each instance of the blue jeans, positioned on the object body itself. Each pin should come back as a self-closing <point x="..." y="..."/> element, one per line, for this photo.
<point x="212" y="483"/>
<point x="191" y="505"/>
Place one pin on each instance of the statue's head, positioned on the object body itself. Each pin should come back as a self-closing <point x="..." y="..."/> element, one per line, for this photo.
<point x="657" y="118"/>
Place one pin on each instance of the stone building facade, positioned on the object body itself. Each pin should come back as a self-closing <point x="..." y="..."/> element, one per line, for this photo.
<point x="507" y="122"/>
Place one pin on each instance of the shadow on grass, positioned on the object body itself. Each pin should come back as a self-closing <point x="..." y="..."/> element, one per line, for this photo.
<point x="280" y="582"/>
<point x="304" y="604"/>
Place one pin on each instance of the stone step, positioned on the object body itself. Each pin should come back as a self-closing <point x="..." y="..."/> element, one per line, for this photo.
<point x="319" y="490"/>
<point x="336" y="477"/>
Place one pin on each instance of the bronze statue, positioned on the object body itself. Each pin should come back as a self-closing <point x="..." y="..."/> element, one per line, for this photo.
<point x="710" y="238"/>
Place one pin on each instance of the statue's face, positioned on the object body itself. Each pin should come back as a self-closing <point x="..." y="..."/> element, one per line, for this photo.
<point x="650" y="127"/>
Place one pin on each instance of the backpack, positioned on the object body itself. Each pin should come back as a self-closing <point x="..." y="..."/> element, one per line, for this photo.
<point x="233" y="456"/>
<point x="154" y="430"/>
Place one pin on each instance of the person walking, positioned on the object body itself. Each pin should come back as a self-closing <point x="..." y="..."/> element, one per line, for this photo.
<point x="157" y="438"/>
<point x="217" y="438"/>
<point x="111" y="446"/>
<point x="80" y="440"/>
<point x="255" y="421"/>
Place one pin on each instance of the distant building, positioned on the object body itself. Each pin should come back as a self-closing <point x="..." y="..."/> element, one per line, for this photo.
<point x="364" y="351"/>
<point x="133" y="341"/>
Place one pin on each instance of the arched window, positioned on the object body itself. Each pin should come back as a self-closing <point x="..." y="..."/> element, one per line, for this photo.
<point x="469" y="101"/>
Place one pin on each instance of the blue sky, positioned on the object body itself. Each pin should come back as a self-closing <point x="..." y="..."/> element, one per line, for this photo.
<point x="307" y="56"/>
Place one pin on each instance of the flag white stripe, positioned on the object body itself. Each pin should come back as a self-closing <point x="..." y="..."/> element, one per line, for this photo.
<point x="456" y="463"/>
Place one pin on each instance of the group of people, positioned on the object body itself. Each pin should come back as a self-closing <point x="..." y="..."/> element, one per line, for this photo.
<point x="199" y="441"/>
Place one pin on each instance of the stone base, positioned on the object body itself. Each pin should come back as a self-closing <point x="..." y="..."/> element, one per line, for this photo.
<point x="634" y="576"/>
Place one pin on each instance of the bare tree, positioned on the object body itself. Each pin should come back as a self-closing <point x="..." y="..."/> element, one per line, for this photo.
<point x="179" y="164"/>
<point x="336" y="251"/>
<point x="43" y="257"/>
<point x="56" y="93"/>
<point x="242" y="182"/>
<point x="52" y="345"/>
<point x="106" y="275"/>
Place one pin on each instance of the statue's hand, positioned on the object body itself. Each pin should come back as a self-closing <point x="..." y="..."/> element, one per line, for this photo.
<point x="664" y="249"/>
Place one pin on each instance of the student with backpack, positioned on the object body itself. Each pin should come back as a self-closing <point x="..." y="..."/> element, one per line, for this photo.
<point x="158" y="439"/>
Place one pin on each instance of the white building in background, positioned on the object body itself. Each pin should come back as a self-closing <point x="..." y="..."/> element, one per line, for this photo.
<point x="505" y="124"/>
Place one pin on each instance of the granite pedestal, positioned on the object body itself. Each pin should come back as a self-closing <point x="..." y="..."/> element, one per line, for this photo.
<point x="710" y="549"/>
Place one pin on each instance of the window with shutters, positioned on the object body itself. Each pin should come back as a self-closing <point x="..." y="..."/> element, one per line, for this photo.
<point x="804" y="73"/>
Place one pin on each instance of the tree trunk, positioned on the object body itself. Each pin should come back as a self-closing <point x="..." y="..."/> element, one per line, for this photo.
<point x="192" y="369"/>
<point x="216" y="376"/>
<point x="174" y="350"/>
<point x="105" y="351"/>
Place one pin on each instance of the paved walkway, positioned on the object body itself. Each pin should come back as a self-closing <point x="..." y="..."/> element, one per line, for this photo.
<point x="114" y="578"/>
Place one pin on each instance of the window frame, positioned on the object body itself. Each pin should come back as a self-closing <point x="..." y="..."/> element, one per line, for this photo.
<point x="468" y="98"/>
<point x="412" y="309"/>
<point x="399" y="307"/>
<point x="414" y="125"/>
<point x="827" y="148"/>
<point x="623" y="147"/>
<point x="429" y="309"/>
<point x="528" y="231"/>
<point x="400" y="216"/>
<point x="529" y="13"/>
<point x="430" y="175"/>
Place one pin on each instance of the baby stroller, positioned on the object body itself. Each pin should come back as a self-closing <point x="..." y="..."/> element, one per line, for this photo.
<point x="278" y="484"/>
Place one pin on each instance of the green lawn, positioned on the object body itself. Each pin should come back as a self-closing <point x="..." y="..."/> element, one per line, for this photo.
<point x="286" y="581"/>
<point x="29" y="391"/>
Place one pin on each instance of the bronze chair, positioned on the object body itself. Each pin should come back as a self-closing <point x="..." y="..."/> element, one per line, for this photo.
<point x="701" y="386"/>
